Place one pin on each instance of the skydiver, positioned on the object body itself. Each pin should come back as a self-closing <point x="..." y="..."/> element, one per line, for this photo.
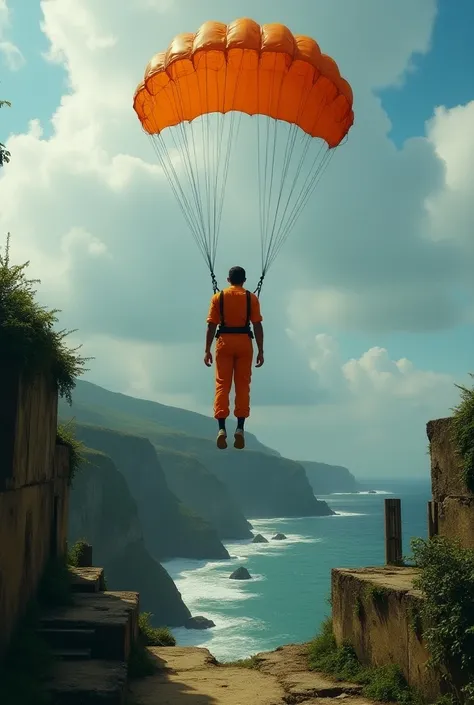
<point x="233" y="309"/>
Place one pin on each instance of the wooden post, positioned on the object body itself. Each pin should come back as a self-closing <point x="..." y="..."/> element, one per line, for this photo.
<point x="432" y="519"/>
<point x="85" y="557"/>
<point x="393" y="532"/>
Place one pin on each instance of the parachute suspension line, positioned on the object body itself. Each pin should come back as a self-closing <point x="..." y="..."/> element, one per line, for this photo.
<point x="299" y="176"/>
<point x="265" y="193"/>
<point x="170" y="172"/>
<point x="308" y="191"/>
<point x="199" y="179"/>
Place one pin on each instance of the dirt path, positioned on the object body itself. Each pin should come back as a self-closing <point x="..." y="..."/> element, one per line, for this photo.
<point x="191" y="676"/>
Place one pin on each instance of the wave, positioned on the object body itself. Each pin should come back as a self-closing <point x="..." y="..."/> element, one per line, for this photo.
<point x="349" y="514"/>
<point x="354" y="494"/>
<point x="205" y="587"/>
<point x="228" y="640"/>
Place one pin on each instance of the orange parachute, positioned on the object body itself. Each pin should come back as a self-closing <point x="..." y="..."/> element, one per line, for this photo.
<point x="304" y="110"/>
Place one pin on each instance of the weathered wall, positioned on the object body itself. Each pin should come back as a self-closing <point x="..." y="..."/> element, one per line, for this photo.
<point x="373" y="610"/>
<point x="454" y="502"/>
<point x="33" y="492"/>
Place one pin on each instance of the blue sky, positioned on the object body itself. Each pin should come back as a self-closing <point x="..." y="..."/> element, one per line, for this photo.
<point x="99" y="157"/>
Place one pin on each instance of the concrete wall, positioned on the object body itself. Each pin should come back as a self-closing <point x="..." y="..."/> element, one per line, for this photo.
<point x="373" y="610"/>
<point x="33" y="492"/>
<point x="455" y="503"/>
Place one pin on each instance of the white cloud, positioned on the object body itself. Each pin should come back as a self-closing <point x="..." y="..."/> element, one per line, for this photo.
<point x="383" y="246"/>
<point x="11" y="54"/>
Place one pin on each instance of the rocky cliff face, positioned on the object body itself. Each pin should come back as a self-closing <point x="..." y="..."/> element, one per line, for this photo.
<point x="260" y="481"/>
<point x="204" y="493"/>
<point x="265" y="485"/>
<point x="103" y="512"/>
<point x="326" y="479"/>
<point x="170" y="529"/>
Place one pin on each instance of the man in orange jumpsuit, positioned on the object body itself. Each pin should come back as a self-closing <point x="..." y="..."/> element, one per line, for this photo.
<point x="233" y="309"/>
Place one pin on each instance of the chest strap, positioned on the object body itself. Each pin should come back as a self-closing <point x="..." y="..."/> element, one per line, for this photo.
<point x="244" y="330"/>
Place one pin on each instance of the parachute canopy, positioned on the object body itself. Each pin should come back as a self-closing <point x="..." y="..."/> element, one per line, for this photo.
<point x="243" y="68"/>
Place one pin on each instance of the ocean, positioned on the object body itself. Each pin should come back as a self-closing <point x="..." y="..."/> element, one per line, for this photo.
<point x="287" y="599"/>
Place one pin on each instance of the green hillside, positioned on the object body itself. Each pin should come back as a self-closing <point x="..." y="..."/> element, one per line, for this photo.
<point x="166" y="417"/>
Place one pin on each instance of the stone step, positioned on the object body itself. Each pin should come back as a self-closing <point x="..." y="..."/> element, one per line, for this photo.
<point x="112" y="616"/>
<point x="86" y="579"/>
<point x="88" y="683"/>
<point x="71" y="654"/>
<point x="59" y="638"/>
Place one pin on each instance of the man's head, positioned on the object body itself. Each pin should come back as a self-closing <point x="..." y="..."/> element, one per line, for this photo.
<point x="236" y="276"/>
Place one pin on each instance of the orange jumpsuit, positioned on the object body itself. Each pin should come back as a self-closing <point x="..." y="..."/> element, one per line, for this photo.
<point x="234" y="351"/>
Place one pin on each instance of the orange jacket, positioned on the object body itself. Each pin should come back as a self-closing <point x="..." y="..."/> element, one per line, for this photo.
<point x="235" y="308"/>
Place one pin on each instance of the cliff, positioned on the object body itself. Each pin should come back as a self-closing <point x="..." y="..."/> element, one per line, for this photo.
<point x="265" y="485"/>
<point x="204" y="493"/>
<point x="249" y="476"/>
<point x="170" y="529"/>
<point x="103" y="512"/>
<point x="327" y="479"/>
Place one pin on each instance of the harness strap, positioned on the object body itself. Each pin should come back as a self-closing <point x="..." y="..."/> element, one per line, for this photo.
<point x="244" y="329"/>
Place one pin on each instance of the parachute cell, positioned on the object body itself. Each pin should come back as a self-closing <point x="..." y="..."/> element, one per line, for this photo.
<point x="229" y="70"/>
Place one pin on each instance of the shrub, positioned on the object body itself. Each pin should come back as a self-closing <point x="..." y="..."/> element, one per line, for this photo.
<point x="446" y="581"/>
<point x="28" y="339"/>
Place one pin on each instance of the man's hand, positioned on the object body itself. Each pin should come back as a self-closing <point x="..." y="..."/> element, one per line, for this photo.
<point x="260" y="359"/>
<point x="208" y="358"/>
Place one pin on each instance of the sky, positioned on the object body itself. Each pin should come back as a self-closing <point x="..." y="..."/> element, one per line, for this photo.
<point x="369" y="309"/>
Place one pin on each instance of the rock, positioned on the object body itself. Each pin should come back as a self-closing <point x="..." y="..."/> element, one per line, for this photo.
<point x="259" y="539"/>
<point x="279" y="537"/>
<point x="240" y="574"/>
<point x="199" y="623"/>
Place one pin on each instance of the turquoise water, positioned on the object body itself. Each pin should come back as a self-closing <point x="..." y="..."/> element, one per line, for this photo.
<point x="287" y="598"/>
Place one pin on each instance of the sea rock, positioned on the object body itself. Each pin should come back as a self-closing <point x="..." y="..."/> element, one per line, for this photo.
<point x="199" y="623"/>
<point x="279" y="537"/>
<point x="259" y="539"/>
<point x="240" y="574"/>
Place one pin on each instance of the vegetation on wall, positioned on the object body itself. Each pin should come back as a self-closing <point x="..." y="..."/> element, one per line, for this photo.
<point x="28" y="339"/>
<point x="446" y="580"/>
<point x="66" y="436"/>
<point x="463" y="432"/>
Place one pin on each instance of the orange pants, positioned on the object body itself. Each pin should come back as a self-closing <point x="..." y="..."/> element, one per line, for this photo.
<point x="234" y="354"/>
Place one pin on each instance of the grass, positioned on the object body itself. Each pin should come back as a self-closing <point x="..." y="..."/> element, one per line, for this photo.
<point x="463" y="433"/>
<point x="251" y="662"/>
<point x="384" y="684"/>
<point x="29" y="340"/>
<point x="141" y="662"/>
